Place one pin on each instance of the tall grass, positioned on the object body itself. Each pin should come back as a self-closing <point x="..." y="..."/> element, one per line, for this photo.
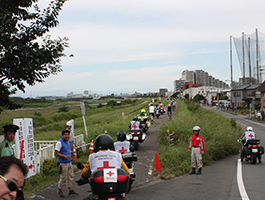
<point x="219" y="133"/>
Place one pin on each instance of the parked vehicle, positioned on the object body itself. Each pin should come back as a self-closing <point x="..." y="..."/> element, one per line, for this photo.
<point x="251" y="151"/>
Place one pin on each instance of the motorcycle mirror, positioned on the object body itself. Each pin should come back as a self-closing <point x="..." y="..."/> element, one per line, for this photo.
<point x="239" y="140"/>
<point x="80" y="166"/>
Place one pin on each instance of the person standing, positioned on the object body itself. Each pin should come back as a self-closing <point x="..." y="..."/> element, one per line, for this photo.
<point x="12" y="174"/>
<point x="197" y="150"/>
<point x="70" y="127"/>
<point x="6" y="145"/>
<point x="63" y="152"/>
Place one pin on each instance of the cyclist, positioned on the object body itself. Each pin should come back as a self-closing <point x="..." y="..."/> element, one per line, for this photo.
<point x="169" y="110"/>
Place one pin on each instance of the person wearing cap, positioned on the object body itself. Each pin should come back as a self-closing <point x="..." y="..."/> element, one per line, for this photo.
<point x="69" y="126"/>
<point x="63" y="152"/>
<point x="12" y="174"/>
<point x="196" y="148"/>
<point x="6" y="145"/>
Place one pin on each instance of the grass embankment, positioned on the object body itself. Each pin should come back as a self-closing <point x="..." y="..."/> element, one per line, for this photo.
<point x="220" y="135"/>
<point x="48" y="124"/>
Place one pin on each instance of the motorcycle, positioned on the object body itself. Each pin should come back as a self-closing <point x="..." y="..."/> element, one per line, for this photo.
<point x="145" y="124"/>
<point x="108" y="184"/>
<point x="161" y="110"/>
<point x="251" y="151"/>
<point x="157" y="114"/>
<point x="136" y="137"/>
<point x="129" y="158"/>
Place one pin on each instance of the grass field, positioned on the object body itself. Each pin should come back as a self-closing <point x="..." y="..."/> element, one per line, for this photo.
<point x="220" y="137"/>
<point x="219" y="133"/>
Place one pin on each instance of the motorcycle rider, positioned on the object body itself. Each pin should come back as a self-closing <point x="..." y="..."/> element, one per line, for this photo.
<point x="197" y="150"/>
<point x="104" y="156"/>
<point x="122" y="145"/>
<point x="161" y="107"/>
<point x="143" y="115"/>
<point x="135" y="125"/>
<point x="249" y="134"/>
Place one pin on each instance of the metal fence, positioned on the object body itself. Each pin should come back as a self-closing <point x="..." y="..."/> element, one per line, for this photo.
<point x="45" y="149"/>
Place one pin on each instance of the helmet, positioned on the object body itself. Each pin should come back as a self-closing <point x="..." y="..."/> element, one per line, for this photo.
<point x="143" y="111"/>
<point x="156" y="105"/>
<point x="249" y="128"/>
<point x="103" y="142"/>
<point x="196" y="128"/>
<point x="135" y="117"/>
<point x="121" y="136"/>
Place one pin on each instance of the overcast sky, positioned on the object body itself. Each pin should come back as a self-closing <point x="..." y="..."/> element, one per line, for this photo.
<point x="144" y="45"/>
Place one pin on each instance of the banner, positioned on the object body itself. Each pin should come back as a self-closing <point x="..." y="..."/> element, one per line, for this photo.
<point x="25" y="144"/>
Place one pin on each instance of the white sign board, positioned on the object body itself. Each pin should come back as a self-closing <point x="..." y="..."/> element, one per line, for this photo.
<point x="25" y="144"/>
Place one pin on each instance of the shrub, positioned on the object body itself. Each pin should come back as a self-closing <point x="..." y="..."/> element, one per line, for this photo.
<point x="63" y="109"/>
<point x="50" y="167"/>
<point x="233" y="122"/>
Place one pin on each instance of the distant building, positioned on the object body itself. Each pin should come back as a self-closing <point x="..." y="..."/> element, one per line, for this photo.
<point x="163" y="92"/>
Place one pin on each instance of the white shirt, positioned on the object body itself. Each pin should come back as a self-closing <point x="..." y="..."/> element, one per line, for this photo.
<point x="151" y="109"/>
<point x="104" y="160"/>
<point x="135" y="125"/>
<point x="249" y="135"/>
<point x="122" y="147"/>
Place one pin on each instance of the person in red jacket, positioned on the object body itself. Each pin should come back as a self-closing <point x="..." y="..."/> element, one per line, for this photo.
<point x="197" y="150"/>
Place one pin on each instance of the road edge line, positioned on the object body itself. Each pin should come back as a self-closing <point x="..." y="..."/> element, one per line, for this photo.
<point x="240" y="183"/>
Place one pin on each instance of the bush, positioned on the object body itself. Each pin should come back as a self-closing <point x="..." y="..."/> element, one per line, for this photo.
<point x="50" y="167"/>
<point x="63" y="109"/>
<point x="233" y="122"/>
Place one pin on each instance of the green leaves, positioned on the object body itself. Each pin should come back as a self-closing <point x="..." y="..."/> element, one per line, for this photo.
<point x="23" y="60"/>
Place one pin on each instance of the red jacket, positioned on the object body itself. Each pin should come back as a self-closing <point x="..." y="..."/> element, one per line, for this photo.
<point x="197" y="141"/>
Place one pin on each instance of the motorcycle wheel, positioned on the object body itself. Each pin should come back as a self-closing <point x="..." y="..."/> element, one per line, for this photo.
<point x="136" y="145"/>
<point x="253" y="159"/>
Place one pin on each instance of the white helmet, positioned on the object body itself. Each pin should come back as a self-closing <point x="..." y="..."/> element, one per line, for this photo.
<point x="249" y="128"/>
<point x="196" y="128"/>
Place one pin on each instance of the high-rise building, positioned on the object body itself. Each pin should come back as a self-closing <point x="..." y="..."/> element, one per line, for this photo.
<point x="188" y="76"/>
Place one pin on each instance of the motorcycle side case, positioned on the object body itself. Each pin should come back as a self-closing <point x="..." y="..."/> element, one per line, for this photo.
<point x="261" y="150"/>
<point x="246" y="151"/>
<point x="109" y="188"/>
<point x="129" y="156"/>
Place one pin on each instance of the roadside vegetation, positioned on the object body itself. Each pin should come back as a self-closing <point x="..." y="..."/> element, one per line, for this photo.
<point x="49" y="119"/>
<point x="220" y="137"/>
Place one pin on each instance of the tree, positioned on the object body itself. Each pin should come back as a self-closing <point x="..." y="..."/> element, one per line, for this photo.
<point x="24" y="60"/>
<point x="199" y="97"/>
<point x="186" y="96"/>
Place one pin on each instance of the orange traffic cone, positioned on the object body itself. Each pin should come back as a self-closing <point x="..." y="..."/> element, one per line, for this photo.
<point x="157" y="163"/>
<point x="74" y="154"/>
<point x="91" y="147"/>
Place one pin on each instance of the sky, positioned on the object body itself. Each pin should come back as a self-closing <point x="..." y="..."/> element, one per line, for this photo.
<point x="123" y="46"/>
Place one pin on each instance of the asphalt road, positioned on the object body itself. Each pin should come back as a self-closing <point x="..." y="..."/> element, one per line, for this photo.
<point x="217" y="181"/>
<point x="145" y="154"/>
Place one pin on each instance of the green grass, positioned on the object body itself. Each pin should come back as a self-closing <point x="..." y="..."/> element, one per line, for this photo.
<point x="220" y="135"/>
<point x="48" y="124"/>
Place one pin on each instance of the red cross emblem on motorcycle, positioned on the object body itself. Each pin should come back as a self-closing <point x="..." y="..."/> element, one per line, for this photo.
<point x="105" y="165"/>
<point x="134" y="126"/>
<point x="123" y="150"/>
<point x="250" y="135"/>
<point x="110" y="173"/>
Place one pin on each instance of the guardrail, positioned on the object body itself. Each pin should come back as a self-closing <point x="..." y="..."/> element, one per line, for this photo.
<point x="44" y="149"/>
